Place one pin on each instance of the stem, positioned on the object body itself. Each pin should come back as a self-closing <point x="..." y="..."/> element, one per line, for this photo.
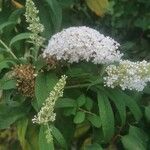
<point x="77" y="86"/>
<point x="8" y="49"/>
<point x="85" y="111"/>
<point x="47" y="126"/>
<point x="36" y="52"/>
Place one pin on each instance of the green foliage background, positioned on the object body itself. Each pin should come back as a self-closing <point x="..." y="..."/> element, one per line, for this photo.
<point x="127" y="22"/>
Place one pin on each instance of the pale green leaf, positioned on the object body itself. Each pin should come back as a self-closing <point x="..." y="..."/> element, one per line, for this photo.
<point x="99" y="7"/>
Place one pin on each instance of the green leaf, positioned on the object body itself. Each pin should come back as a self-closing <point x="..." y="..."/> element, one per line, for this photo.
<point x="19" y="37"/>
<point x="66" y="3"/>
<point x="7" y="24"/>
<point x="136" y="139"/>
<point x="119" y="103"/>
<point x="7" y="84"/>
<point x="95" y="120"/>
<point x="70" y="111"/>
<point x="106" y="115"/>
<point x="46" y="20"/>
<point x="59" y="137"/>
<point x="130" y="143"/>
<point x="56" y="13"/>
<point x="81" y="100"/>
<point x="79" y="117"/>
<point x="8" y="115"/>
<point x="15" y="15"/>
<point x="6" y="64"/>
<point x="21" y="130"/>
<point x="65" y="102"/>
<point x="99" y="7"/>
<point x="43" y="85"/>
<point x="89" y="103"/>
<point x="32" y="136"/>
<point x="147" y="113"/>
<point x="138" y="134"/>
<point x="132" y="105"/>
<point x="43" y="145"/>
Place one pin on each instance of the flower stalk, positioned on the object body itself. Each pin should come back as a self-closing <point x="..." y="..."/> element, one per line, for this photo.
<point x="8" y="49"/>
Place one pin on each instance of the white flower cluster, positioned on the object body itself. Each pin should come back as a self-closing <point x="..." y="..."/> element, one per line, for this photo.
<point x="46" y="113"/>
<point x="82" y="43"/>
<point x="128" y="75"/>
<point x="35" y="26"/>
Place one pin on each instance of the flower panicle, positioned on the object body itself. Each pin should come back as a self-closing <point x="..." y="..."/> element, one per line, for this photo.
<point x="35" y="26"/>
<point x="82" y="43"/>
<point x="128" y="75"/>
<point x="47" y="114"/>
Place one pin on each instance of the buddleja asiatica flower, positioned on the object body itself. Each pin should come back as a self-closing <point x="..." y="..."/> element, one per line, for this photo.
<point x="128" y="75"/>
<point x="35" y="26"/>
<point x="82" y="43"/>
<point x="46" y="114"/>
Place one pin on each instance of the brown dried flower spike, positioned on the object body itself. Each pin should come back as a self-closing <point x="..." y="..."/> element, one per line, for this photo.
<point x="25" y="75"/>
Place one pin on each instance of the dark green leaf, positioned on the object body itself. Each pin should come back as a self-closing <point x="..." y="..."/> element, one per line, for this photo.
<point x="65" y="102"/>
<point x="147" y="113"/>
<point x="56" y="13"/>
<point x="59" y="137"/>
<point x="119" y="103"/>
<point x="43" y="85"/>
<point x="8" y="115"/>
<point x="132" y="105"/>
<point x="6" y="64"/>
<point x="15" y="15"/>
<point x="7" y="24"/>
<point x="95" y="120"/>
<point x="106" y="115"/>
